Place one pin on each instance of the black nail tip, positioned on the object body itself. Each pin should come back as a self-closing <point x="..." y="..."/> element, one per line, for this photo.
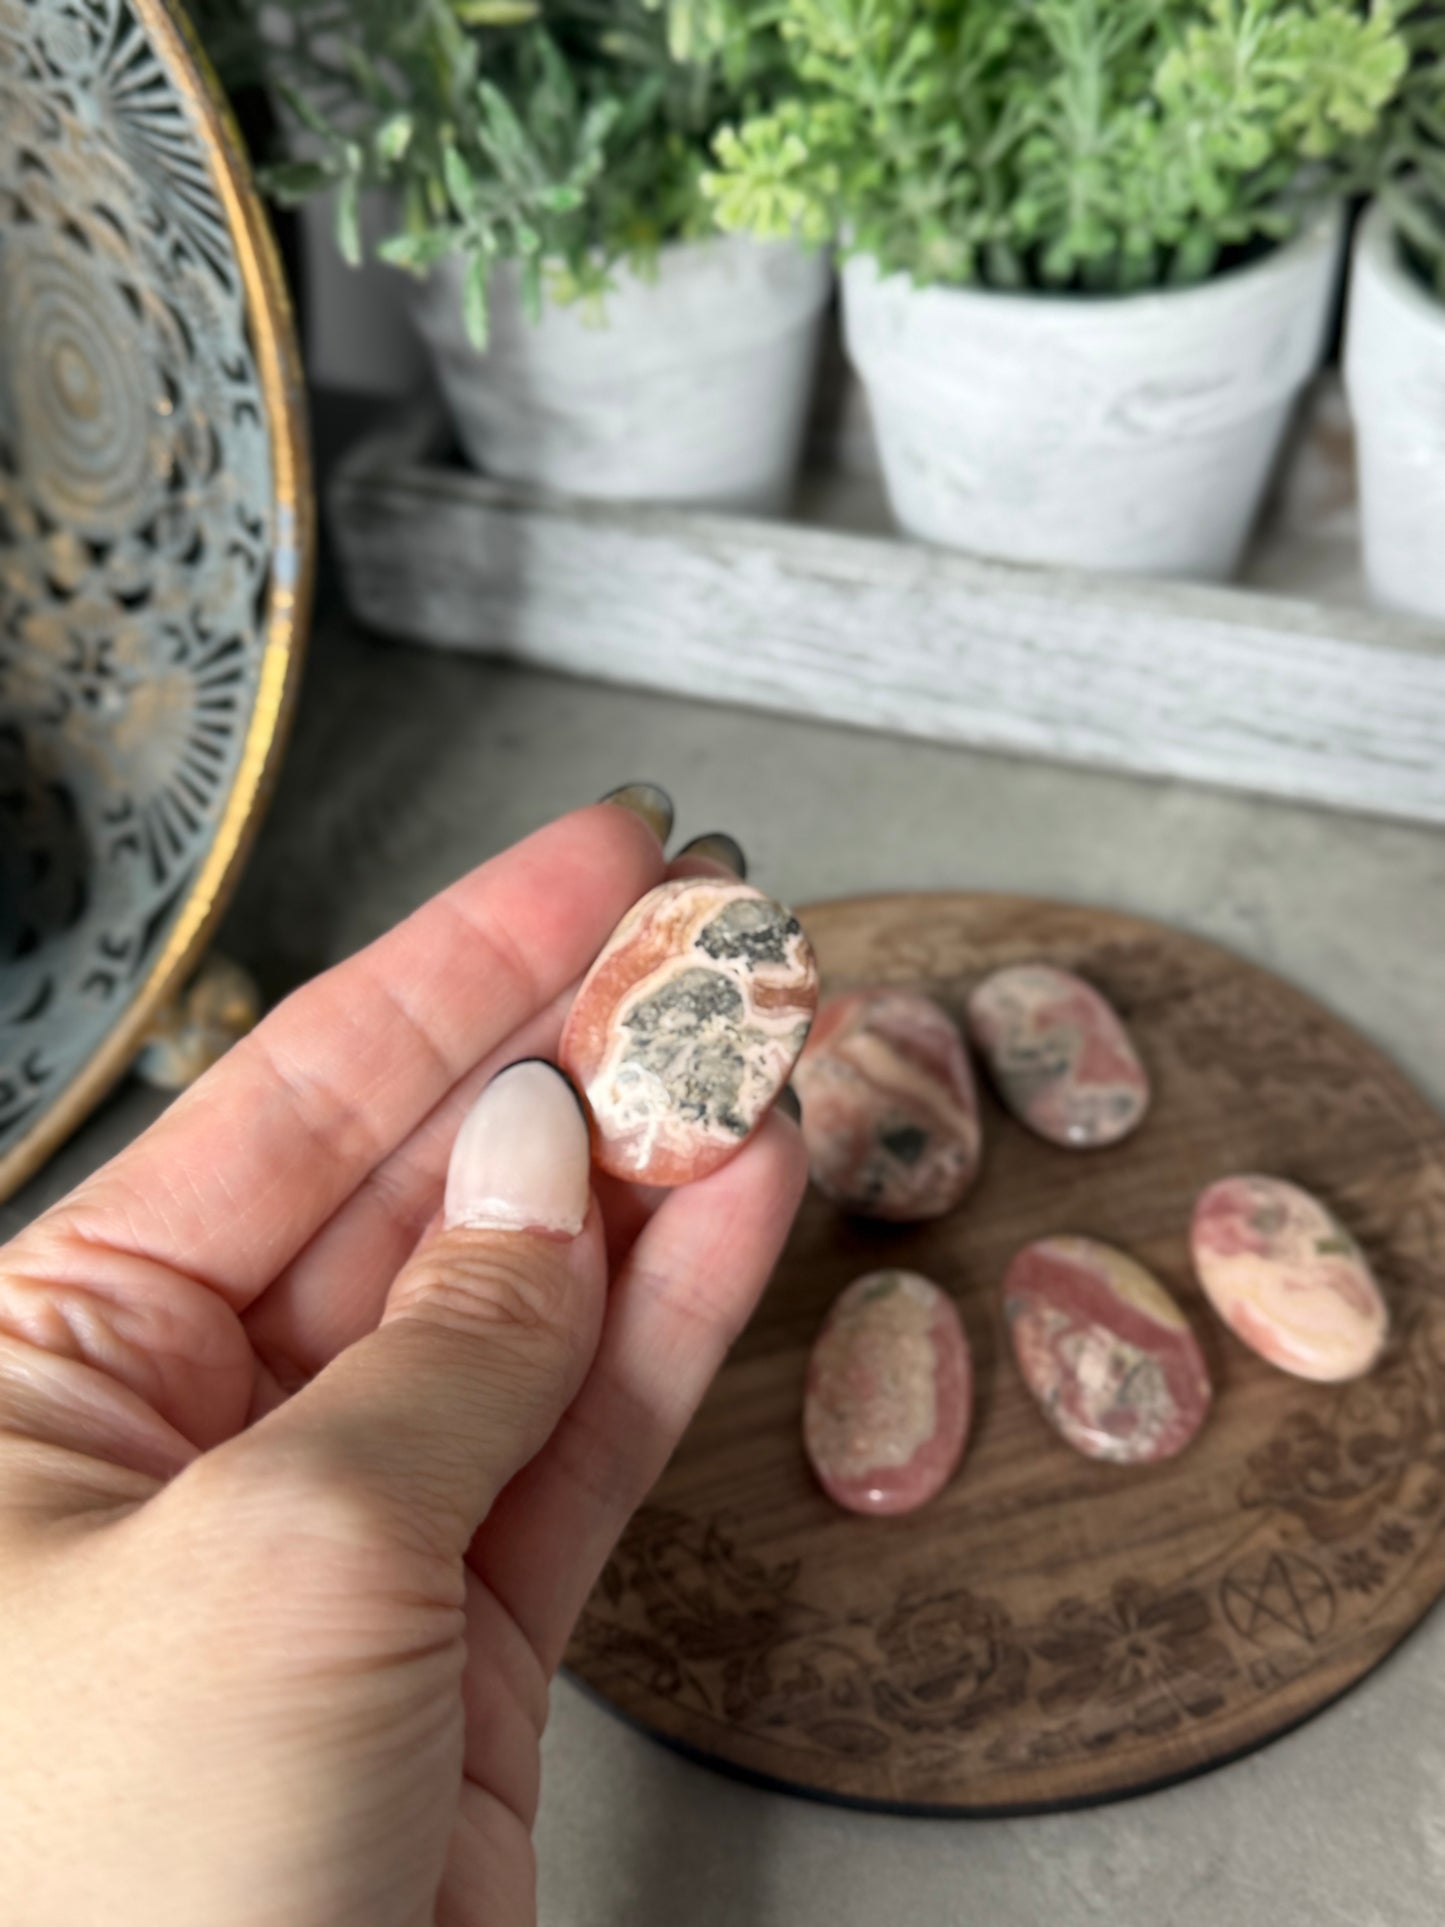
<point x="721" y="848"/>
<point x="517" y="1063"/>
<point x="650" y="801"/>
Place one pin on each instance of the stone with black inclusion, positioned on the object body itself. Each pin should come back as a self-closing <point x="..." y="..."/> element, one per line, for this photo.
<point x="687" y="1026"/>
<point x="890" y="1115"/>
<point x="687" y="1034"/>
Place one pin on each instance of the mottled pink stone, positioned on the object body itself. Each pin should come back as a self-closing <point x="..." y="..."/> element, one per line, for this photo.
<point x="1105" y="1351"/>
<point x="1287" y="1278"/>
<point x="1059" y="1055"/>
<point x="686" y="1028"/>
<point x="889" y="1394"/>
<point x="890" y="1115"/>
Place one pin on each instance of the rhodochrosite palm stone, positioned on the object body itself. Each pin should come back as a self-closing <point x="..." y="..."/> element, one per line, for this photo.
<point x="889" y="1394"/>
<point x="1105" y="1350"/>
<point x="687" y="1027"/>
<point x="890" y="1115"/>
<point x="1287" y="1279"/>
<point x="1059" y="1055"/>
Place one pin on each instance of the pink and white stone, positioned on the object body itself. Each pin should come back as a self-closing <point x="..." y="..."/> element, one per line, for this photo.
<point x="687" y="1027"/>
<point x="890" y="1114"/>
<point x="1287" y="1278"/>
<point x="889" y="1394"/>
<point x="1059" y="1055"/>
<point x="1105" y="1351"/>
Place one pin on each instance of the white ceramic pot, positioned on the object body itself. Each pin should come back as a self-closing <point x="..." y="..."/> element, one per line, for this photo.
<point x="1134" y="432"/>
<point x="1395" y="379"/>
<point x="690" y="387"/>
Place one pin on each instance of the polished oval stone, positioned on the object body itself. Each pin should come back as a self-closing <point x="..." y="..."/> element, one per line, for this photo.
<point x="1105" y="1350"/>
<point x="1059" y="1055"/>
<point x="889" y="1394"/>
<point x="687" y="1027"/>
<point x="1287" y="1278"/>
<point x="890" y="1114"/>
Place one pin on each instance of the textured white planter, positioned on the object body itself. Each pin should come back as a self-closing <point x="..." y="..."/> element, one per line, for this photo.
<point x="692" y="387"/>
<point x="1132" y="433"/>
<point x="1395" y="378"/>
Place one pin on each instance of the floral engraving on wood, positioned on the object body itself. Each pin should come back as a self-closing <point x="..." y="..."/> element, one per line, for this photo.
<point x="953" y="1663"/>
<point x="1381" y="1449"/>
<point x="1154" y="1657"/>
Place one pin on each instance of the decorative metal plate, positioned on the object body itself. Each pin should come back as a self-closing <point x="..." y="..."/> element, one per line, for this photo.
<point x="155" y="538"/>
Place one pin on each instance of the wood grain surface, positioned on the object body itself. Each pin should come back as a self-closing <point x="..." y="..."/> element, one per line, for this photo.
<point x="1050" y="1631"/>
<point x="1213" y="685"/>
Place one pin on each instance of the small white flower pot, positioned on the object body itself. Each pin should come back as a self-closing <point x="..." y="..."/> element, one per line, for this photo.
<point x="692" y="386"/>
<point x="1132" y="432"/>
<point x="1395" y="379"/>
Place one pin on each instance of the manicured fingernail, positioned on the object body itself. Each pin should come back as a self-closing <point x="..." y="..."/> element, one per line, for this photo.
<point x="521" y="1159"/>
<point x="718" y="847"/>
<point x="789" y="1104"/>
<point x="649" y="801"/>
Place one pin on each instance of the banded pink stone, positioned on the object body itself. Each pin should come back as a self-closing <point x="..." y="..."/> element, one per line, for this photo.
<point x="1059" y="1055"/>
<point x="1287" y="1278"/>
<point x="687" y="1026"/>
<point x="889" y="1394"/>
<point x="1105" y="1351"/>
<point x="890" y="1115"/>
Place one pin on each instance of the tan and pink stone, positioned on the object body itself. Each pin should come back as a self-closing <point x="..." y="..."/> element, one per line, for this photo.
<point x="1059" y="1055"/>
<point x="889" y="1394"/>
<point x="1105" y="1351"/>
<point x="1287" y="1278"/>
<point x="688" y="1026"/>
<point x="890" y="1114"/>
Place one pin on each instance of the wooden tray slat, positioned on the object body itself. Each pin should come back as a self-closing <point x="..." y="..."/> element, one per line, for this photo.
<point x="1327" y="705"/>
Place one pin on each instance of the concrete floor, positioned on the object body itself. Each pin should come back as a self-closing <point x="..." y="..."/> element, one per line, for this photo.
<point x="409" y="766"/>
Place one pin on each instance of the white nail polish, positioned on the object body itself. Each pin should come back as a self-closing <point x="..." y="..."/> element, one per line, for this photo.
<point x="521" y="1161"/>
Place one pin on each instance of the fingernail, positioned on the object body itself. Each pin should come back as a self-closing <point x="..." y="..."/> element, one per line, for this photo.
<point x="718" y="847"/>
<point x="789" y="1104"/>
<point x="521" y="1158"/>
<point x="649" y="801"/>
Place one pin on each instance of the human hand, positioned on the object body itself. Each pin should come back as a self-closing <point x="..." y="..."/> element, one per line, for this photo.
<point x="301" y="1488"/>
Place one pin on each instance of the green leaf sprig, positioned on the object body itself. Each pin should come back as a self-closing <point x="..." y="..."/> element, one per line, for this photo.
<point x="1081" y="145"/>
<point x="563" y="135"/>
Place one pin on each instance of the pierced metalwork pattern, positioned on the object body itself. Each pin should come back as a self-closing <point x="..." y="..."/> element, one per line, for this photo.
<point x="141" y="541"/>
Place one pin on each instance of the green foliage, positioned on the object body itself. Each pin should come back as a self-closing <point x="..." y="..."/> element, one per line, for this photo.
<point x="1406" y="162"/>
<point x="1072" y="144"/>
<point x="565" y="135"/>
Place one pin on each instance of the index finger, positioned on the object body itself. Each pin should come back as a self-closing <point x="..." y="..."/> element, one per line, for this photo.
<point x="246" y="1167"/>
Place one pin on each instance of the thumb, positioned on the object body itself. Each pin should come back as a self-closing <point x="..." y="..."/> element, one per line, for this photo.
<point x="486" y="1335"/>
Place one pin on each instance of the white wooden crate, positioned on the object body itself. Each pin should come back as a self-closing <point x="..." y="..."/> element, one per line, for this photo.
<point x="1322" y="702"/>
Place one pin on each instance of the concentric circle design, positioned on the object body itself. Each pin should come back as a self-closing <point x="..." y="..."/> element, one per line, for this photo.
<point x="78" y="376"/>
<point x="154" y="537"/>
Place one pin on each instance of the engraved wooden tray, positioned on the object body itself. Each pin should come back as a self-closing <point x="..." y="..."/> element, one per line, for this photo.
<point x="1052" y="1632"/>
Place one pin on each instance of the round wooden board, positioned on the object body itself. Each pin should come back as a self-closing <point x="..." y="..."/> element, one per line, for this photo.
<point x="1049" y="1631"/>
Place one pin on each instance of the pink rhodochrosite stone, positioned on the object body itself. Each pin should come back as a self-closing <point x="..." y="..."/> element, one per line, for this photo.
<point x="687" y="1026"/>
<point x="1288" y="1279"/>
<point x="890" y="1114"/>
<point x="889" y="1394"/>
<point x="1059" y="1055"/>
<point x="1105" y="1351"/>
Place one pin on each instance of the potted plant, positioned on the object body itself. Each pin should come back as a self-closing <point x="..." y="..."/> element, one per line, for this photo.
<point x="1092" y="249"/>
<point x="1395" y="337"/>
<point x="591" y="330"/>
